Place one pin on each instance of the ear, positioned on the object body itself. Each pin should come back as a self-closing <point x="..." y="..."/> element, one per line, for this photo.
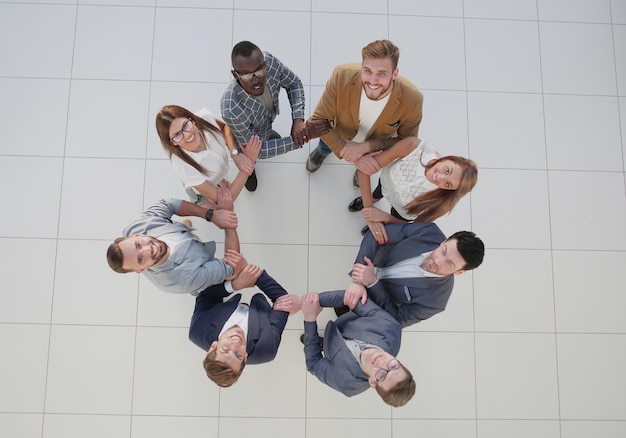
<point x="234" y="74"/>
<point x="372" y="382"/>
<point x="395" y="74"/>
<point x="460" y="271"/>
<point x="213" y="346"/>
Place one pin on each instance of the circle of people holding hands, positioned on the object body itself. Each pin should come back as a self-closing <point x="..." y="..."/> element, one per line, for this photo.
<point x="404" y="271"/>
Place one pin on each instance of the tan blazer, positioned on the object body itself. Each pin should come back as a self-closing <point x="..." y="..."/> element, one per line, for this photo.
<point x="340" y="104"/>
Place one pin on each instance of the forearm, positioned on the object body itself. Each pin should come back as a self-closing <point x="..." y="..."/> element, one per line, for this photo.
<point x="231" y="240"/>
<point x="276" y="146"/>
<point x="332" y="298"/>
<point x="238" y="184"/>
<point x="365" y="186"/>
<point x="188" y="209"/>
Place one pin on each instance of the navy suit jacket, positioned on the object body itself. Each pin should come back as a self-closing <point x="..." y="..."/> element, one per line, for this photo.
<point x="338" y="368"/>
<point x="265" y="325"/>
<point x="408" y="300"/>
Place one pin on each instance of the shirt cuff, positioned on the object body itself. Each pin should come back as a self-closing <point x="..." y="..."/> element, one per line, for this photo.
<point x="228" y="285"/>
<point x="372" y="284"/>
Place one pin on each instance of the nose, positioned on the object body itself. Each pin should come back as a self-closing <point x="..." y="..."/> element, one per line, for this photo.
<point x="145" y="249"/>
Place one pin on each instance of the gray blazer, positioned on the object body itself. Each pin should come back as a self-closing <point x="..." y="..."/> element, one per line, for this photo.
<point x="338" y="368"/>
<point x="408" y="300"/>
<point x="193" y="266"/>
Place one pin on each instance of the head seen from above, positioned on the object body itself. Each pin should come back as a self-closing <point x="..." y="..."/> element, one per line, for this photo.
<point x="227" y="357"/>
<point x="136" y="253"/>
<point x="454" y="177"/>
<point x="392" y="381"/>
<point x="249" y="67"/>
<point x="460" y="252"/>
<point x="379" y="68"/>
<point x="180" y="130"/>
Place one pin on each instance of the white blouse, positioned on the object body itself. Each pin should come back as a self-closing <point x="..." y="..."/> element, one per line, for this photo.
<point x="214" y="158"/>
<point x="404" y="179"/>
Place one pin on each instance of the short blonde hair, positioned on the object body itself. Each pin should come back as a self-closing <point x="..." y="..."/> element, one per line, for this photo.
<point x="382" y="49"/>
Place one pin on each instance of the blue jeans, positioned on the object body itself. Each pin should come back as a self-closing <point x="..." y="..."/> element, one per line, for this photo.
<point x="323" y="148"/>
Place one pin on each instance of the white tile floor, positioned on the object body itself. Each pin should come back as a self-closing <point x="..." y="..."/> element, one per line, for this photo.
<point x="533" y="343"/>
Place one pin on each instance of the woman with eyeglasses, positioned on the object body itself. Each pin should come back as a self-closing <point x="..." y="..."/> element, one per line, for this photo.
<point x="198" y="146"/>
<point x="418" y="183"/>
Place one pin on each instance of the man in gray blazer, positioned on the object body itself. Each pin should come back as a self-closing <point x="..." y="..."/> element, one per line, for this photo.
<point x="170" y="255"/>
<point x="359" y="349"/>
<point x="412" y="275"/>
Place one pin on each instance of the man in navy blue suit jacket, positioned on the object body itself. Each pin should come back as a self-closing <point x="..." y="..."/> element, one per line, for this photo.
<point x="234" y="333"/>
<point x="412" y="275"/>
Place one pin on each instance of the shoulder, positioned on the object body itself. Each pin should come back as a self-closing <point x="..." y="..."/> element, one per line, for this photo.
<point x="207" y="115"/>
<point x="230" y="96"/>
<point x="407" y="88"/>
<point x="347" y="71"/>
<point x="424" y="229"/>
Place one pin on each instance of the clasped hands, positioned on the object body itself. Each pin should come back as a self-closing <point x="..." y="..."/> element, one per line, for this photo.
<point x="362" y="274"/>
<point x="224" y="215"/>
<point x="302" y="131"/>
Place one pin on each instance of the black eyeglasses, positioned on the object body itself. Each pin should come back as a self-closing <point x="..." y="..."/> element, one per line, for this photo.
<point x="381" y="374"/>
<point x="178" y="137"/>
<point x="260" y="73"/>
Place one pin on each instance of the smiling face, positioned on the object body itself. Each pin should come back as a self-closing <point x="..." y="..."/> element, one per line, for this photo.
<point x="140" y="252"/>
<point x="375" y="360"/>
<point x="191" y="139"/>
<point x="446" y="175"/>
<point x="230" y="348"/>
<point x="445" y="259"/>
<point x="253" y="66"/>
<point x="377" y="76"/>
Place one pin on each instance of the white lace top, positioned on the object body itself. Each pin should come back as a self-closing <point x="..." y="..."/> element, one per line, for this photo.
<point x="404" y="179"/>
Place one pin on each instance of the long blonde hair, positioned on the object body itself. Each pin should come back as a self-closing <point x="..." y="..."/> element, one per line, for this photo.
<point x="435" y="203"/>
<point x="164" y="120"/>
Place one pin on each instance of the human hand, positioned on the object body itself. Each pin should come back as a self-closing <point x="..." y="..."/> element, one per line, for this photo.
<point x="355" y="293"/>
<point x="379" y="232"/>
<point x="224" y="196"/>
<point x="247" y="277"/>
<point x="352" y="151"/>
<point x="311" y="306"/>
<point x="236" y="261"/>
<point x="288" y="303"/>
<point x="375" y="214"/>
<point x="365" y="274"/>
<point x="224" y="219"/>
<point x="299" y="132"/>
<point x="317" y="128"/>
<point x="368" y="164"/>
<point x="253" y="148"/>
<point x="244" y="163"/>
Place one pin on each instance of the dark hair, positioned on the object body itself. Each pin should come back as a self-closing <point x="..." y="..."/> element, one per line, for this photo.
<point x="401" y="393"/>
<point x="382" y="49"/>
<point x="164" y="120"/>
<point x="471" y="248"/>
<point x="115" y="258"/>
<point x="435" y="203"/>
<point x="221" y="374"/>
<point x="244" y="49"/>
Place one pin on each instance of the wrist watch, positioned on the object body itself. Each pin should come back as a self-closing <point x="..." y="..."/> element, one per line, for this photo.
<point x="234" y="152"/>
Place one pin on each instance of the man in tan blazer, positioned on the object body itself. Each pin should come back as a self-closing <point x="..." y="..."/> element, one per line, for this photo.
<point x="370" y="106"/>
